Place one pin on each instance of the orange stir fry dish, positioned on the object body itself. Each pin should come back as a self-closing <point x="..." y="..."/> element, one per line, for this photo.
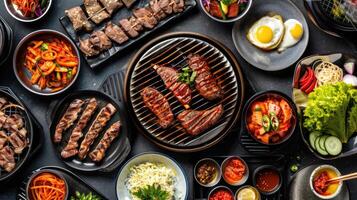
<point x="269" y="120"/>
<point x="52" y="63"/>
<point x="47" y="186"/>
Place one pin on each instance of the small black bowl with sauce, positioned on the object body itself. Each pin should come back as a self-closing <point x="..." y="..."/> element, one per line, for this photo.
<point x="207" y="172"/>
<point x="267" y="179"/>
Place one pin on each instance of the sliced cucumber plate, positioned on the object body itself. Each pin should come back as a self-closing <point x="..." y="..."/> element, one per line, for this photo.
<point x="333" y="145"/>
<point x="325" y="144"/>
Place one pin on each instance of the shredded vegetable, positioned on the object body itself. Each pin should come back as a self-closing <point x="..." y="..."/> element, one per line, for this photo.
<point x="47" y="186"/>
<point x="30" y="8"/>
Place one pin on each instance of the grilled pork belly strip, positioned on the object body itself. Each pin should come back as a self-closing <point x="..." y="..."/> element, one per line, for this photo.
<point x="205" y="83"/>
<point x="99" y="123"/>
<point x="3" y="119"/>
<point x="197" y="121"/>
<point x="3" y="139"/>
<point x="71" y="147"/>
<point x="7" y="160"/>
<point x="180" y="90"/>
<point x="15" y="125"/>
<point x="68" y="118"/>
<point x="159" y="105"/>
<point x="99" y="152"/>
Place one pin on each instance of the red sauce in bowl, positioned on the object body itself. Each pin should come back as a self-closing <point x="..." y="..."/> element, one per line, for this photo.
<point x="267" y="180"/>
<point x="234" y="170"/>
<point x="221" y="194"/>
<point x="320" y="183"/>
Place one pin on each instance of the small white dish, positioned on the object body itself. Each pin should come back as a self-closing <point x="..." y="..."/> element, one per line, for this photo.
<point x="315" y="172"/>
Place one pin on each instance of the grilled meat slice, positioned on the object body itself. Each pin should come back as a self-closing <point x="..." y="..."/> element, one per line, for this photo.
<point x="68" y="118"/>
<point x="18" y="140"/>
<point x="3" y="101"/>
<point x="99" y="123"/>
<point x="177" y="5"/>
<point x="205" y="83"/>
<point x="96" y="12"/>
<point x="14" y="121"/>
<point x="3" y="139"/>
<point x="165" y="5"/>
<point x="146" y="17"/>
<point x="197" y="121"/>
<point x="158" y="13"/>
<point x="71" y="148"/>
<point x="131" y="26"/>
<point x="182" y="91"/>
<point x="3" y="119"/>
<point x="7" y="160"/>
<point x="99" y="152"/>
<point x="87" y="48"/>
<point x="100" y="41"/>
<point x="115" y="33"/>
<point x="111" y="5"/>
<point x="159" y="105"/>
<point x="78" y="19"/>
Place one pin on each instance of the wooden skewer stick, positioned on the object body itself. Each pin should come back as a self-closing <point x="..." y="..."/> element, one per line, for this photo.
<point x="343" y="178"/>
<point x="99" y="11"/>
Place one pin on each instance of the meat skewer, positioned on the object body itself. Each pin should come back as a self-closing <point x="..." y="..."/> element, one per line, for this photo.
<point x="87" y="47"/>
<point x="111" y="5"/>
<point x="7" y="160"/>
<point x="99" y="152"/>
<point x="181" y="91"/>
<point x="99" y="123"/>
<point x="159" y="105"/>
<point x="68" y="118"/>
<point x="146" y="17"/>
<point x="71" y="147"/>
<point x="197" y="121"/>
<point x="100" y="41"/>
<point x="78" y="19"/>
<point x="115" y="33"/>
<point x="96" y="12"/>
<point x="158" y="13"/>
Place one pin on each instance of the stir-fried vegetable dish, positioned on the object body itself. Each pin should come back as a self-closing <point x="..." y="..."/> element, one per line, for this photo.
<point x="225" y="9"/>
<point x="30" y="8"/>
<point x="47" y="186"/>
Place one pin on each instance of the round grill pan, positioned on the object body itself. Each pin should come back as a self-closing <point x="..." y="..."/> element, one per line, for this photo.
<point x="117" y="151"/>
<point x="172" y="49"/>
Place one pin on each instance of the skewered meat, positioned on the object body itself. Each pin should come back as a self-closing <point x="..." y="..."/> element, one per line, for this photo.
<point x="159" y="105"/>
<point x="96" y="12"/>
<point x="71" y="147"/>
<point x="7" y="160"/>
<point x="131" y="26"/>
<point x="128" y="3"/>
<point x="87" y="48"/>
<point x="158" y="13"/>
<point x="18" y="140"/>
<point x="145" y="16"/>
<point x="100" y="41"/>
<point x="3" y="139"/>
<point x="111" y="5"/>
<point x="205" y="83"/>
<point x="99" y="152"/>
<point x="115" y="33"/>
<point x="165" y="6"/>
<point x="197" y="121"/>
<point x="68" y="118"/>
<point x="178" y="5"/>
<point x="182" y="91"/>
<point x="2" y="102"/>
<point x="99" y="123"/>
<point x="78" y="19"/>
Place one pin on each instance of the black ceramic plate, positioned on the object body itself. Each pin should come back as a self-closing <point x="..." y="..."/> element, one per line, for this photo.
<point x="117" y="151"/>
<point x="339" y="59"/>
<point x="269" y="60"/>
<point x="121" y="14"/>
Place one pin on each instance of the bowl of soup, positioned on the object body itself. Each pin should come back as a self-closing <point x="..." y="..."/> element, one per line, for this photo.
<point x="319" y="182"/>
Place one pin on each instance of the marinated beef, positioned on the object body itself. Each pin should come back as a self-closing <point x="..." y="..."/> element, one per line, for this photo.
<point x="3" y="102"/>
<point x="7" y="160"/>
<point x="178" y="5"/>
<point x="78" y="19"/>
<point x="13" y="121"/>
<point x="3" y="119"/>
<point x="115" y="33"/>
<point x="145" y="16"/>
<point x="18" y="139"/>
<point x="111" y="5"/>
<point x="3" y="139"/>
<point x="87" y="48"/>
<point x="131" y="26"/>
<point x="100" y="41"/>
<point x="158" y="13"/>
<point x="95" y="11"/>
<point x="165" y="5"/>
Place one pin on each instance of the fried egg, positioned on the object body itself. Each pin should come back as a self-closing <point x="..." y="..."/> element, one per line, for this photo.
<point x="267" y="32"/>
<point x="293" y="34"/>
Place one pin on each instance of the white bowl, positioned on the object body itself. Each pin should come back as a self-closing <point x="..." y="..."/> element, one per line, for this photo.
<point x="318" y="169"/>
<point x="181" y="185"/>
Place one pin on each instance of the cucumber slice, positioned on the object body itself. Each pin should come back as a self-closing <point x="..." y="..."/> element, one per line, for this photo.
<point x="322" y="142"/>
<point x="317" y="145"/>
<point x="333" y="145"/>
<point x="312" y="137"/>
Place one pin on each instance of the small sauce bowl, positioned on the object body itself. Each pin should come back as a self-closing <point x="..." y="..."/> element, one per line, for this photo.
<point x="226" y="164"/>
<point x="331" y="173"/>
<point x="200" y="169"/>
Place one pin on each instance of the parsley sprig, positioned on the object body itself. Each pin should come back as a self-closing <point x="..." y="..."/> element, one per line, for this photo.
<point x="187" y="76"/>
<point x="151" y="192"/>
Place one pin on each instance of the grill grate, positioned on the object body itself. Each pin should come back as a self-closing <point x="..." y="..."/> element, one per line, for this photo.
<point x="331" y="8"/>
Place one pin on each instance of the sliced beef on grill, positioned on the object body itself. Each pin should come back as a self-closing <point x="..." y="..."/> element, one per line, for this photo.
<point x="99" y="123"/>
<point x="177" y="5"/>
<point x="180" y="90"/>
<point x="78" y="19"/>
<point x="165" y="5"/>
<point x="205" y="83"/>
<point x="146" y="17"/>
<point x="3" y="101"/>
<point x="3" y="139"/>
<point x="13" y="121"/>
<point x="95" y="11"/>
<point x="131" y="26"/>
<point x="71" y="148"/>
<point x="100" y="41"/>
<point x="3" y="119"/>
<point x="197" y="121"/>
<point x="99" y="152"/>
<point x="115" y="33"/>
<point x="87" y="48"/>
<point x="7" y="160"/>
<point x="158" y="13"/>
<point x="71" y="114"/>
<point x="111" y="5"/>
<point x="18" y="139"/>
<point x="159" y="105"/>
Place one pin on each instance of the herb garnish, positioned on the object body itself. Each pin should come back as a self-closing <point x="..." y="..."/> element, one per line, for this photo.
<point x="151" y="192"/>
<point x="187" y="76"/>
<point x="44" y="46"/>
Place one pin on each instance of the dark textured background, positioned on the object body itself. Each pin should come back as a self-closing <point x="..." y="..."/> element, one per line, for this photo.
<point x="195" y="21"/>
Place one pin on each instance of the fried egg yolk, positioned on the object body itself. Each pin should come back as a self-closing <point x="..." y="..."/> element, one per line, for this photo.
<point x="264" y="34"/>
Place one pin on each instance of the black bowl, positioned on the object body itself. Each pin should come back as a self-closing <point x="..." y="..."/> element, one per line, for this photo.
<point x="267" y="167"/>
<point x="15" y="13"/>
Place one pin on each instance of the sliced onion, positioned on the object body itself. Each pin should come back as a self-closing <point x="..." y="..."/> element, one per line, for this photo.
<point x="350" y="79"/>
<point x="349" y="67"/>
<point x="38" y="11"/>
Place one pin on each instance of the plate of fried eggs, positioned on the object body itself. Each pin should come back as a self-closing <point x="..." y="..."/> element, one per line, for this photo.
<point x="273" y="36"/>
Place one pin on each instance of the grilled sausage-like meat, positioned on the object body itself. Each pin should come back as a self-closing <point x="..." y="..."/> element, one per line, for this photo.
<point x="99" y="152"/>
<point x="97" y="126"/>
<point x="197" y="121"/>
<point x="68" y="118"/>
<point x="159" y="105"/>
<point x="181" y="91"/>
<point x="7" y="160"/>
<point x="71" y="148"/>
<point x="205" y="83"/>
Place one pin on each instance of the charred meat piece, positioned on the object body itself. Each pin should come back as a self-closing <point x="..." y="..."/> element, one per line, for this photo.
<point x="158" y="13"/>
<point x="181" y="91"/>
<point x="131" y="26"/>
<point x="205" y="83"/>
<point x="159" y="105"/>
<point x="99" y="152"/>
<point x="177" y="5"/>
<point x="99" y="123"/>
<point x="13" y="122"/>
<point x="3" y="119"/>
<point x="165" y="5"/>
<point x="146" y="17"/>
<point x="68" y="118"/>
<point x="71" y="148"/>
<point x="115" y="33"/>
<point x="128" y="3"/>
<point x="3" y="139"/>
<point x="197" y="121"/>
<point x="111" y="5"/>
<point x="3" y="101"/>
<point x="100" y="41"/>
<point x="18" y="140"/>
<point x="95" y="11"/>
<point x="78" y="19"/>
<point x="7" y="160"/>
<point x="87" y="48"/>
